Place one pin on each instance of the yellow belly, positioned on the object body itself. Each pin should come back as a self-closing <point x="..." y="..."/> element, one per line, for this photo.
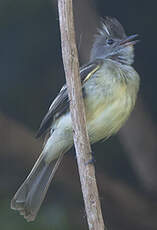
<point x="106" y="117"/>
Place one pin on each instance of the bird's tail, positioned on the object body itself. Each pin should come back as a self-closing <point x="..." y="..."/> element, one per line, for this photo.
<point x="31" y="194"/>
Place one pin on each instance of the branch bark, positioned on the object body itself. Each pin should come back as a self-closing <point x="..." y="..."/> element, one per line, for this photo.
<point x="81" y="139"/>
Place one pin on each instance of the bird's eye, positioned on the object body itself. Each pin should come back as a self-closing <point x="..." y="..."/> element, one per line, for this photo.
<point x="110" y="41"/>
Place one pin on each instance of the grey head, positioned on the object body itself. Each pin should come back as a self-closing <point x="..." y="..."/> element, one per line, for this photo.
<point x="112" y="43"/>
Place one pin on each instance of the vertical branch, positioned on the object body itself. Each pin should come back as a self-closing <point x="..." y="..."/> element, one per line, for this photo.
<point x="81" y="139"/>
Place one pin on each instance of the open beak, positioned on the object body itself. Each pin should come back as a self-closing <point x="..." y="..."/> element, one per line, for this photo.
<point x="129" y="41"/>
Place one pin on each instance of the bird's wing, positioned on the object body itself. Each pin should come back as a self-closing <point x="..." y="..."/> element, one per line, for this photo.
<point x="61" y="102"/>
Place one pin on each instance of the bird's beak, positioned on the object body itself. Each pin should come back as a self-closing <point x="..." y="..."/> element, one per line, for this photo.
<point x="129" y="41"/>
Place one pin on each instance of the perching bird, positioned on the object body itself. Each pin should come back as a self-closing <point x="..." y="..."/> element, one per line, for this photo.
<point x="110" y="85"/>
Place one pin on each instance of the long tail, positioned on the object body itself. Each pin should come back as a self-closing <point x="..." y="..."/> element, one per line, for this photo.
<point x="31" y="194"/>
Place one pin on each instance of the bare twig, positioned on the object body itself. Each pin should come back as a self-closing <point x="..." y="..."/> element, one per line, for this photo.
<point x="81" y="139"/>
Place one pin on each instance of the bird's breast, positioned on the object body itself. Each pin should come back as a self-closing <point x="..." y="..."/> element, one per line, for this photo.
<point x="108" y="105"/>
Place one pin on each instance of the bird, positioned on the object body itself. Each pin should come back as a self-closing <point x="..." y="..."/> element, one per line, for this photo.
<point x="110" y="85"/>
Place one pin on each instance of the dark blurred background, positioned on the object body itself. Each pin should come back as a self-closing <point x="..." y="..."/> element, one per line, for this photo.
<point x="31" y="74"/>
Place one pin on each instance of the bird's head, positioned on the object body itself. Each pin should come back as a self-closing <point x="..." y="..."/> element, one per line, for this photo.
<point x="113" y="43"/>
